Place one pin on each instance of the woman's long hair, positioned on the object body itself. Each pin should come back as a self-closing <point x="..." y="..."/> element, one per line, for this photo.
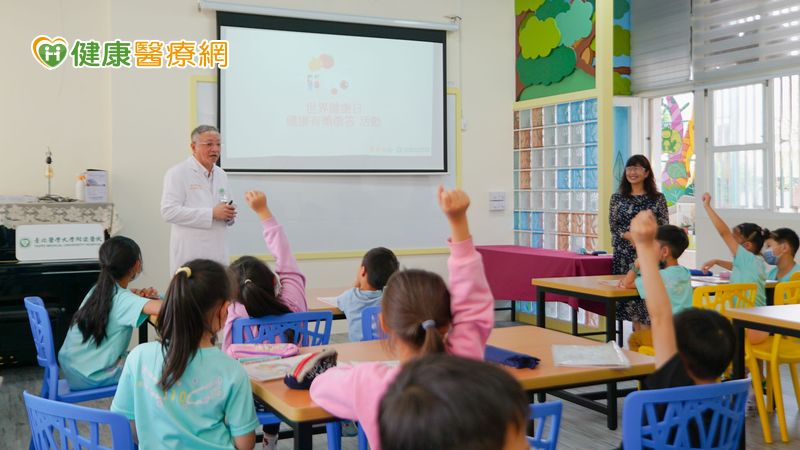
<point x="118" y="255"/>
<point x="650" y="188"/>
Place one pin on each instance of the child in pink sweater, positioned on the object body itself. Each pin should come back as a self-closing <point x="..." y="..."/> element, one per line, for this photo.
<point x="421" y="316"/>
<point x="258" y="292"/>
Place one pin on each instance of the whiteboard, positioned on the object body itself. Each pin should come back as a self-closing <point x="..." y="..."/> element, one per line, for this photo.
<point x="344" y="213"/>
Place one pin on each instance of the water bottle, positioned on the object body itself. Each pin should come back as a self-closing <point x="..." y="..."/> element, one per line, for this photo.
<point x="223" y="198"/>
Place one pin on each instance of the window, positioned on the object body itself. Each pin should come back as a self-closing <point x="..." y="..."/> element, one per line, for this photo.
<point x="755" y="149"/>
<point x="786" y="121"/>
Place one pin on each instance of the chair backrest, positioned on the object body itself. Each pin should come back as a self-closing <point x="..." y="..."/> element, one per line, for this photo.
<point x="544" y="413"/>
<point x="795" y="277"/>
<point x="723" y="296"/>
<point x="42" y="332"/>
<point x="711" y="415"/>
<point x="788" y="292"/>
<point x="309" y="328"/>
<point x="370" y="324"/>
<point x="63" y="425"/>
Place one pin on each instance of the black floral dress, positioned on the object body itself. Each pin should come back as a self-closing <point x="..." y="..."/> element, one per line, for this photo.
<point x="621" y="211"/>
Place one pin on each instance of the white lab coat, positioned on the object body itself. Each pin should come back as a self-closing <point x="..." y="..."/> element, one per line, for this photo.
<point x="187" y="201"/>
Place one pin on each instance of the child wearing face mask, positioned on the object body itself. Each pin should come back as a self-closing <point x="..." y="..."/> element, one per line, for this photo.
<point x="781" y="248"/>
<point x="672" y="242"/>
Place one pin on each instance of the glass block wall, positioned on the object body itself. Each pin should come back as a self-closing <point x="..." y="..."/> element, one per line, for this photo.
<point x="555" y="176"/>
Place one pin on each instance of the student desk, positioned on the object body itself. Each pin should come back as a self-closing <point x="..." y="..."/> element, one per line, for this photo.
<point x="296" y="408"/>
<point x="783" y="319"/>
<point x="602" y="289"/>
<point x="599" y="289"/>
<point x="315" y="304"/>
<point x="510" y="267"/>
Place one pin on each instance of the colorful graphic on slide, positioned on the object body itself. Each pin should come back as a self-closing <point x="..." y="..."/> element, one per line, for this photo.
<point x="323" y="62"/>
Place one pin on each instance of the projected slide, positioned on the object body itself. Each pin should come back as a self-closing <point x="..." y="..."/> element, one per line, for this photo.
<point x="299" y="101"/>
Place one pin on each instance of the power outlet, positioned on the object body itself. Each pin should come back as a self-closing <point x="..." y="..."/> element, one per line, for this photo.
<point x="497" y="196"/>
<point x="499" y="205"/>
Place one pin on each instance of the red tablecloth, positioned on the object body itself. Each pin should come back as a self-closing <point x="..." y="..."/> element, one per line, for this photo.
<point x="510" y="268"/>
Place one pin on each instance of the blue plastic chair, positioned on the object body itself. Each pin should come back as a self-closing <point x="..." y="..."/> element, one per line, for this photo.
<point x="310" y="328"/>
<point x="661" y="418"/>
<point x="370" y="324"/>
<point x="542" y="412"/>
<point x="335" y="436"/>
<point x="54" y="388"/>
<point x="55" y="425"/>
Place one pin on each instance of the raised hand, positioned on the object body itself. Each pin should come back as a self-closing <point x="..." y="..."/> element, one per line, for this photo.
<point x="644" y="228"/>
<point x="454" y="205"/>
<point x="257" y="201"/>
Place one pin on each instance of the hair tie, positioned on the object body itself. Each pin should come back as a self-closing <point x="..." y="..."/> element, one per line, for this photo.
<point x="428" y="324"/>
<point x="248" y="280"/>
<point x="185" y="270"/>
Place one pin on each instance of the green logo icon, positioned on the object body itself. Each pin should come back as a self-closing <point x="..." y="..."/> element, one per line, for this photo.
<point x="24" y="243"/>
<point x="49" y="52"/>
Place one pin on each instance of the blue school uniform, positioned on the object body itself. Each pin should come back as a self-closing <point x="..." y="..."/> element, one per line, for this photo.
<point x="749" y="268"/>
<point x="678" y="282"/>
<point x="207" y="407"/>
<point x="87" y="365"/>
<point x="352" y="303"/>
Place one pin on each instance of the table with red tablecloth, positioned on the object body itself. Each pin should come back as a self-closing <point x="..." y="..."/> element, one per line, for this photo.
<point x="510" y="269"/>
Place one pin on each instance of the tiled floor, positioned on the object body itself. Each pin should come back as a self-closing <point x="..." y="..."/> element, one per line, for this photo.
<point x="580" y="427"/>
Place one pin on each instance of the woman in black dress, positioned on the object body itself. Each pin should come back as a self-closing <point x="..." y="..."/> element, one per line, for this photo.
<point x="637" y="192"/>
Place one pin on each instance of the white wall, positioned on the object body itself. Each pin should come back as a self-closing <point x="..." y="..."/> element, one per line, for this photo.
<point x="137" y="122"/>
<point x="66" y="109"/>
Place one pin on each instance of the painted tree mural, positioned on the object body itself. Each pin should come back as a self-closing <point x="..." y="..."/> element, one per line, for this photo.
<point x="677" y="146"/>
<point x="556" y="47"/>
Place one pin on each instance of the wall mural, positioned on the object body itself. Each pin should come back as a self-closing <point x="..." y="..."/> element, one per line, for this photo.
<point x="555" y="47"/>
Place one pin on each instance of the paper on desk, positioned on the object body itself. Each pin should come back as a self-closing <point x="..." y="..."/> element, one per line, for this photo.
<point x="710" y="279"/>
<point x="271" y="370"/>
<point x="329" y="300"/>
<point x="609" y="355"/>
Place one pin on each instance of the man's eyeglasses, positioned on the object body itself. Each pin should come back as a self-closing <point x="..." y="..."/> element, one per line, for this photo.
<point x="210" y="144"/>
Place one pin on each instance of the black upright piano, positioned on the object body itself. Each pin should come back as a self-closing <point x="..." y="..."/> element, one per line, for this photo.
<point x="62" y="286"/>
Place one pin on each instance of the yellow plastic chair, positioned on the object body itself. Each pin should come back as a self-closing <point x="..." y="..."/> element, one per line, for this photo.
<point x="777" y="350"/>
<point x="795" y="277"/>
<point x="737" y="295"/>
<point x="720" y="297"/>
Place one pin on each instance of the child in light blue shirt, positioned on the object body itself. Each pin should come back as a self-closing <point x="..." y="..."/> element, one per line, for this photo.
<point x="744" y="242"/>
<point x="672" y="242"/>
<point x="184" y="392"/>
<point x="781" y="248"/>
<point x="376" y="267"/>
<point x="94" y="348"/>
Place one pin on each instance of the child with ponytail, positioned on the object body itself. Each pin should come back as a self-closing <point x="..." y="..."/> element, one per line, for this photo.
<point x="93" y="352"/>
<point x="421" y="316"/>
<point x="183" y="392"/>
<point x="744" y="242"/>
<point x="257" y="290"/>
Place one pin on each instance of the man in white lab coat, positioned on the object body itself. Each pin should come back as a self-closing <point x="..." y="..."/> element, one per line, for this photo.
<point x="191" y="203"/>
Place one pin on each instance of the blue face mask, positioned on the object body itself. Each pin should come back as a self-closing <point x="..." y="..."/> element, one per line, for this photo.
<point x="770" y="257"/>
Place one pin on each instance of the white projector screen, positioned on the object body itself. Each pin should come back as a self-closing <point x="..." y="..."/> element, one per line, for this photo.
<point x="314" y="96"/>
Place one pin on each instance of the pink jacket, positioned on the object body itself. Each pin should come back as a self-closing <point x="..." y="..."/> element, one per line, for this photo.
<point x="354" y="393"/>
<point x="293" y="283"/>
